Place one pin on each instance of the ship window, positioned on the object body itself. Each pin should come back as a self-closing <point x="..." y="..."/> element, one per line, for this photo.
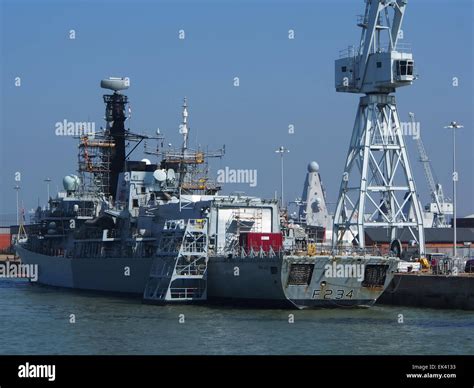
<point x="344" y="69"/>
<point x="273" y="270"/>
<point x="410" y="68"/>
<point x="143" y="190"/>
<point x="135" y="203"/>
<point x="379" y="65"/>
<point x="405" y="68"/>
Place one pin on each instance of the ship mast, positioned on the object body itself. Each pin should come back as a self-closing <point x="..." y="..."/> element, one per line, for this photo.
<point x="190" y="165"/>
<point x="183" y="128"/>
<point x="102" y="155"/>
<point x="115" y="118"/>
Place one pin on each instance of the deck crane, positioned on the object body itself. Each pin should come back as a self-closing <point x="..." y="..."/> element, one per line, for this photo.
<point x="377" y="185"/>
<point x="440" y="206"/>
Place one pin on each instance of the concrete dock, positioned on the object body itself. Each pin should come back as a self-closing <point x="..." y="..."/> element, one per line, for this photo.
<point x="4" y="257"/>
<point x="427" y="290"/>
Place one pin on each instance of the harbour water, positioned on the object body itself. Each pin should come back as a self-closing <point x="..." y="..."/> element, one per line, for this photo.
<point x="37" y="320"/>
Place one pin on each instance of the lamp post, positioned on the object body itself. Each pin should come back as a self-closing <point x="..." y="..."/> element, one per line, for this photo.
<point x="468" y="245"/>
<point x="47" y="180"/>
<point x="17" y="189"/>
<point x="282" y="150"/>
<point x="454" y="125"/>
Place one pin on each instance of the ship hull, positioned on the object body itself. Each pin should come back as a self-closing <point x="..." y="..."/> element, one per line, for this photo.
<point x="263" y="282"/>
<point x="114" y="275"/>
<point x="249" y="282"/>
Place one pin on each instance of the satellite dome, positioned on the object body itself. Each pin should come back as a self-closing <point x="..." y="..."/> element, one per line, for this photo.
<point x="115" y="83"/>
<point x="71" y="182"/>
<point x="147" y="161"/>
<point x="160" y="175"/>
<point x="313" y="167"/>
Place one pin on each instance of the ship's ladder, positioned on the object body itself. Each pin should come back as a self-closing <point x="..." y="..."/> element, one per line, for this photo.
<point x="179" y="272"/>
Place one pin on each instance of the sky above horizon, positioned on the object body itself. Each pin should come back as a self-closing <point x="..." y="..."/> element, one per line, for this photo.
<point x="282" y="82"/>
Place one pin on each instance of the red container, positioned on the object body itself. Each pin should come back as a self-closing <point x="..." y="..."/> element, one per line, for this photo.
<point x="5" y="241"/>
<point x="256" y="241"/>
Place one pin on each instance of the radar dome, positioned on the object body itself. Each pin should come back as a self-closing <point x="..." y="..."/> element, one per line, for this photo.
<point x="313" y="167"/>
<point x="160" y="175"/>
<point x="71" y="182"/>
<point x="116" y="84"/>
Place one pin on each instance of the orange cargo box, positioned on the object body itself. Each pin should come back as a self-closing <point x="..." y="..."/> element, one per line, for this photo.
<point x="5" y="241"/>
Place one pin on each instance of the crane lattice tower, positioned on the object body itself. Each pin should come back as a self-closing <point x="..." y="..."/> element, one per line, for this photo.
<point x="377" y="187"/>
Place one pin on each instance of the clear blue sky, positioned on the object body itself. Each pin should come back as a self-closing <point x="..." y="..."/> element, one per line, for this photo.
<point x="282" y="82"/>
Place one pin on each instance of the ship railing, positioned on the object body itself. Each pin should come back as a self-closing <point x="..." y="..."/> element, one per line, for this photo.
<point x="315" y="249"/>
<point x="85" y="211"/>
<point x="352" y="250"/>
<point x="247" y="253"/>
<point x="191" y="269"/>
<point x="354" y="52"/>
<point x="186" y="292"/>
<point x="260" y="252"/>
<point x="403" y="47"/>
<point x="349" y="52"/>
<point x="448" y="266"/>
<point x="321" y="250"/>
<point x="298" y="251"/>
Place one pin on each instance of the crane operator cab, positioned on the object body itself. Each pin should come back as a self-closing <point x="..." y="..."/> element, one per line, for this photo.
<point x="404" y="70"/>
<point x="385" y="72"/>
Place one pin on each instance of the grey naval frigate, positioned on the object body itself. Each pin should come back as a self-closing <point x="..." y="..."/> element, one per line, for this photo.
<point x="163" y="231"/>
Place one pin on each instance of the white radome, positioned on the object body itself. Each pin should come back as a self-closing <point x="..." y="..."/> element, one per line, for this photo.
<point x="313" y="167"/>
<point x="160" y="175"/>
